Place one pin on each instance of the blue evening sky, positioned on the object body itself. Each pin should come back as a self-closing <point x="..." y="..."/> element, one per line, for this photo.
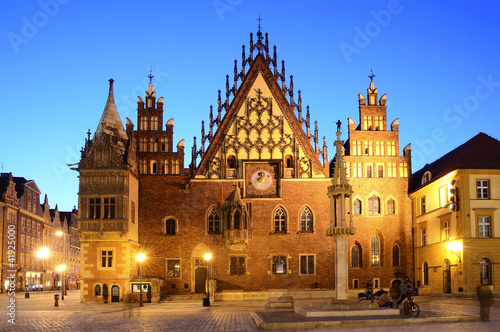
<point x="437" y="61"/>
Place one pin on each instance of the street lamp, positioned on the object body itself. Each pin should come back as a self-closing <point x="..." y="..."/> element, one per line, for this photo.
<point x="62" y="268"/>
<point x="140" y="259"/>
<point x="43" y="253"/>
<point x="455" y="247"/>
<point x="59" y="233"/>
<point x="208" y="257"/>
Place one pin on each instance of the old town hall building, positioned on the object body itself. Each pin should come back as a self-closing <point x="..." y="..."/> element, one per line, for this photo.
<point x="254" y="195"/>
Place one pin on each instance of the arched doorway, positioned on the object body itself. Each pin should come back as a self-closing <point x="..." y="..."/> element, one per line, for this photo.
<point x="200" y="280"/>
<point x="446" y="277"/>
<point x="115" y="294"/>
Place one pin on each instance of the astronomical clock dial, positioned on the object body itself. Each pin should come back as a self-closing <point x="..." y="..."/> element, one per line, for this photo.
<point x="262" y="179"/>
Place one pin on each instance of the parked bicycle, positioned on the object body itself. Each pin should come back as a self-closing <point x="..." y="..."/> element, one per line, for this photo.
<point x="410" y="307"/>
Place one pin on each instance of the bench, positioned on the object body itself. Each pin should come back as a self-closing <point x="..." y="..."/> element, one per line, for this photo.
<point x="280" y="300"/>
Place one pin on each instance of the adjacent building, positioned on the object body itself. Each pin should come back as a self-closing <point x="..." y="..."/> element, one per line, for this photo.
<point x="27" y="225"/>
<point x="456" y="220"/>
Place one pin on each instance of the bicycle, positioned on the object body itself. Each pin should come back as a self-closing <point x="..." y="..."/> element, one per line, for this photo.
<point x="410" y="307"/>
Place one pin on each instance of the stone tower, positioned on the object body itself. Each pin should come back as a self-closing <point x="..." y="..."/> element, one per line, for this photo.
<point x="108" y="209"/>
<point x="340" y="229"/>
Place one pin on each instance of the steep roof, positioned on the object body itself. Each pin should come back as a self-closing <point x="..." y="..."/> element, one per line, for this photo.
<point x="480" y="152"/>
<point x="260" y="65"/>
<point x="110" y="122"/>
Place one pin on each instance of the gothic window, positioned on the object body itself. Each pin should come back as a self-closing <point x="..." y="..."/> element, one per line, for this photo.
<point x="154" y="123"/>
<point x="355" y="256"/>
<point x="395" y="255"/>
<point x="357" y="206"/>
<point x="375" y="251"/>
<point x="170" y="227"/>
<point x="279" y="265"/>
<point x="426" y="273"/>
<point x="391" y="206"/>
<point x="231" y="162"/>
<point x="280" y="220"/>
<point x="482" y="189"/>
<point x="143" y="123"/>
<point x="154" y="167"/>
<point x="369" y="171"/>
<point x="307" y="265"/>
<point x="94" y="208"/>
<point x="109" y="208"/>
<point x="173" y="268"/>
<point x="237" y="265"/>
<point x="306" y="220"/>
<point x="289" y="161"/>
<point x="485" y="271"/>
<point x="214" y="221"/>
<point x="164" y="144"/>
<point x="143" y="168"/>
<point x="373" y="205"/>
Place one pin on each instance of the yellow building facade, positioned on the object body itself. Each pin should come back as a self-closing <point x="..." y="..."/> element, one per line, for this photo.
<point x="456" y="220"/>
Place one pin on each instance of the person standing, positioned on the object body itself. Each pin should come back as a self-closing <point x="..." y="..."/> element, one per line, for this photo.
<point x="486" y="300"/>
<point x="406" y="288"/>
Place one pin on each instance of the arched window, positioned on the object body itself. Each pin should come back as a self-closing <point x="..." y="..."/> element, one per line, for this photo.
<point x="289" y="161"/>
<point x="426" y="273"/>
<point x="214" y="221"/>
<point x="391" y="206"/>
<point x="485" y="271"/>
<point x="355" y="256"/>
<point x="357" y="207"/>
<point x="373" y="205"/>
<point x="97" y="290"/>
<point x="426" y="177"/>
<point x="231" y="162"/>
<point x="395" y="255"/>
<point x="306" y="220"/>
<point x="170" y="227"/>
<point x="375" y="251"/>
<point x="280" y="220"/>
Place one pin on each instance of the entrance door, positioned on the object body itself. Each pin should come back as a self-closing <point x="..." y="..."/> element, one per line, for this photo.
<point x="200" y="280"/>
<point x="115" y="294"/>
<point x="446" y="277"/>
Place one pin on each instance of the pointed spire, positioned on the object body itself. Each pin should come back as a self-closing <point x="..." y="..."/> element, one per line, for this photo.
<point x="110" y="122"/>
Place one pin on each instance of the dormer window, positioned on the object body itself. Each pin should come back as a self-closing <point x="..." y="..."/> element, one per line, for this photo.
<point x="426" y="177"/>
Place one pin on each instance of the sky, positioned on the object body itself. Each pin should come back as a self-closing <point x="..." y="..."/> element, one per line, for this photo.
<point x="437" y="61"/>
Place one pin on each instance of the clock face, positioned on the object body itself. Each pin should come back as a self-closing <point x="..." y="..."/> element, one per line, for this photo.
<point x="262" y="179"/>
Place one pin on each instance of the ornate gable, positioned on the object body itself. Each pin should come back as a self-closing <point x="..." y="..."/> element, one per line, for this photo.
<point x="103" y="154"/>
<point x="260" y="125"/>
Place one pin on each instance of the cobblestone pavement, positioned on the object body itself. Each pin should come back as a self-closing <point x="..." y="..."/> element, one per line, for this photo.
<point x="39" y="314"/>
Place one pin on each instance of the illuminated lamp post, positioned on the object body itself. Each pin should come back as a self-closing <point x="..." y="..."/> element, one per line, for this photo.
<point x="208" y="257"/>
<point x="62" y="269"/>
<point x="59" y="233"/>
<point x="455" y="248"/>
<point x="140" y="259"/>
<point x="43" y="253"/>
